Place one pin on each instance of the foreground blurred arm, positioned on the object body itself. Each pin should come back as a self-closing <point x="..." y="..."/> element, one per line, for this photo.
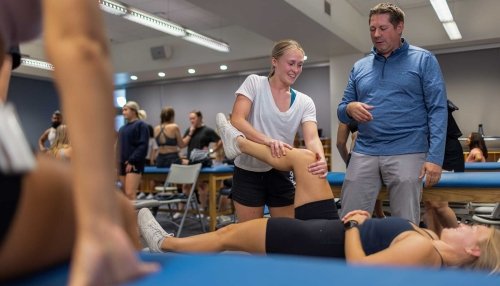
<point x="76" y="45"/>
<point x="5" y="70"/>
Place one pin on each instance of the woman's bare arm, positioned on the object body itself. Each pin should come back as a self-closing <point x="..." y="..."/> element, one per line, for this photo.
<point x="77" y="46"/>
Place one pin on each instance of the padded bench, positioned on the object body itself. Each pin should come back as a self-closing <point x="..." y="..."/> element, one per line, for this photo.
<point x="453" y="187"/>
<point x="251" y="270"/>
<point x="482" y="167"/>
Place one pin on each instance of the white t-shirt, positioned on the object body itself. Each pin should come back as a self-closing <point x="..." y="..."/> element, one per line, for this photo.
<point x="152" y="145"/>
<point x="51" y="136"/>
<point x="267" y="118"/>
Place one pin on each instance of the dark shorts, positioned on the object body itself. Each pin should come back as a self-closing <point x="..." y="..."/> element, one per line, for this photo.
<point x="165" y="160"/>
<point x="453" y="156"/>
<point x="316" y="237"/>
<point x="137" y="169"/>
<point x="325" y="209"/>
<point x="254" y="189"/>
<point x="9" y="200"/>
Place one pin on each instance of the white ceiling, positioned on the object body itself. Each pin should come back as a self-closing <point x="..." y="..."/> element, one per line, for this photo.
<point x="251" y="26"/>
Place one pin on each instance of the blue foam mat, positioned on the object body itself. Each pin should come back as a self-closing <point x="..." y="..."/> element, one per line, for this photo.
<point x="243" y="270"/>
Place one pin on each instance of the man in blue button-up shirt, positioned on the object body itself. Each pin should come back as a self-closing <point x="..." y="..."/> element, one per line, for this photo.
<point x="398" y="96"/>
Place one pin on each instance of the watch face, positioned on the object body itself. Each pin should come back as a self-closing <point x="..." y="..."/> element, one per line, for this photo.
<point x="350" y="224"/>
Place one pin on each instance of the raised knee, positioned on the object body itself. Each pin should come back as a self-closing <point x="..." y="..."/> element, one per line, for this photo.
<point x="308" y="155"/>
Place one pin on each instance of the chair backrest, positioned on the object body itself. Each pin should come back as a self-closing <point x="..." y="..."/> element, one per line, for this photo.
<point x="496" y="212"/>
<point x="183" y="174"/>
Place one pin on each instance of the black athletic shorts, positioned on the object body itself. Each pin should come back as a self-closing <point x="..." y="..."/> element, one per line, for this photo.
<point x="453" y="156"/>
<point x="166" y="160"/>
<point x="316" y="237"/>
<point x="9" y="200"/>
<point x="254" y="189"/>
<point x="137" y="169"/>
<point x="325" y="209"/>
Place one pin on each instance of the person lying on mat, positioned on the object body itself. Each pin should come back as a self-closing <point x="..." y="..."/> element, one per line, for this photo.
<point x="48" y="213"/>
<point x="356" y="238"/>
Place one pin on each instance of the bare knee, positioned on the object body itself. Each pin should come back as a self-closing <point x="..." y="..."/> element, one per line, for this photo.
<point x="226" y="234"/>
<point x="307" y="155"/>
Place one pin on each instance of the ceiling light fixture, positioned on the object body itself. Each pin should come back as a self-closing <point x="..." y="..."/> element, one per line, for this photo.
<point x="191" y="71"/>
<point x="134" y="77"/>
<point x="34" y="63"/>
<point x="452" y="30"/>
<point x="205" y="41"/>
<point x="161" y="74"/>
<point x="113" y="8"/>
<point x="444" y="14"/>
<point x="223" y="67"/>
<point x="155" y="22"/>
<point x="152" y="21"/>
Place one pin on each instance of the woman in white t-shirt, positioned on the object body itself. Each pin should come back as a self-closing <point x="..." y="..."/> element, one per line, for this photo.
<point x="268" y="111"/>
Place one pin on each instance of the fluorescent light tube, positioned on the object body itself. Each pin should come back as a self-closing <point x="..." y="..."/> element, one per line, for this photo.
<point x="157" y="23"/>
<point x="113" y="7"/>
<point x="442" y="10"/>
<point x="452" y="30"/>
<point x="37" y="64"/>
<point x="149" y="20"/>
<point x="202" y="40"/>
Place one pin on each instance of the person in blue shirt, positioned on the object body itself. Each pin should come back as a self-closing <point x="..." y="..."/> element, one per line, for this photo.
<point x="398" y="97"/>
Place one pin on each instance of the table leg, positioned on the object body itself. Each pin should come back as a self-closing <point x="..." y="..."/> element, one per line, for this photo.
<point x="212" y="204"/>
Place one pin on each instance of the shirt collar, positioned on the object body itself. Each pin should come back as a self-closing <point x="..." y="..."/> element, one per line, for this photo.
<point x="402" y="48"/>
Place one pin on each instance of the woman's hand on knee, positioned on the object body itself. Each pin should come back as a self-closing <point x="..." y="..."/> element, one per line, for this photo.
<point x="278" y="148"/>
<point x="319" y="168"/>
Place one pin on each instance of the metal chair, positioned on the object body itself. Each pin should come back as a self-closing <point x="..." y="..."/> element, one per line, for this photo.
<point x="184" y="174"/>
<point x="487" y="214"/>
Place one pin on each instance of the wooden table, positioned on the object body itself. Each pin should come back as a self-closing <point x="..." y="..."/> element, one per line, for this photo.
<point x="214" y="175"/>
<point x="453" y="187"/>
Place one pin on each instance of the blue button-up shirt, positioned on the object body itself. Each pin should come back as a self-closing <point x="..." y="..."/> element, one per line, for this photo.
<point x="408" y="93"/>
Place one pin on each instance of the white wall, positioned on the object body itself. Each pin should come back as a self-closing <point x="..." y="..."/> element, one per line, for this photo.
<point x="473" y="84"/>
<point x="339" y="74"/>
<point x="217" y="95"/>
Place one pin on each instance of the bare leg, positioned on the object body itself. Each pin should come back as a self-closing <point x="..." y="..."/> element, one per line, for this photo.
<point x="439" y="215"/>
<point x="43" y="230"/>
<point x="5" y="70"/>
<point x="203" y="193"/>
<point x="132" y="181"/>
<point x="309" y="188"/>
<point x="246" y="213"/>
<point x="288" y="211"/>
<point x="249" y="236"/>
<point x="378" y="211"/>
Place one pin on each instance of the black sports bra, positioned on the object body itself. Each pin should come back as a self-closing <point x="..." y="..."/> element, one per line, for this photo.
<point x="168" y="140"/>
<point x="378" y="234"/>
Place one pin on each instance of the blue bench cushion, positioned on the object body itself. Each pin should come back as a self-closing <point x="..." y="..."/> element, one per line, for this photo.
<point x="482" y="166"/>
<point x="212" y="170"/>
<point x="252" y="270"/>
<point x="448" y="180"/>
